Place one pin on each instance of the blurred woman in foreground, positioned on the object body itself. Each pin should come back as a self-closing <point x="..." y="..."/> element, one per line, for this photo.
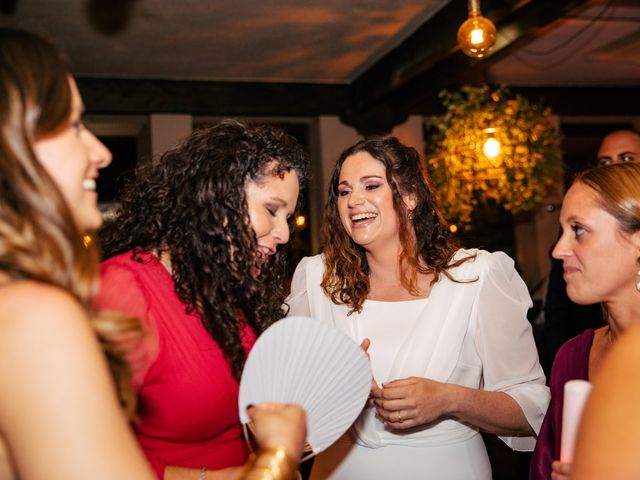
<point x="59" y="412"/>
<point x="60" y="415"/>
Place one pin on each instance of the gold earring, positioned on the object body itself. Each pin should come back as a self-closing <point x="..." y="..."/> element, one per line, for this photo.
<point x="638" y="275"/>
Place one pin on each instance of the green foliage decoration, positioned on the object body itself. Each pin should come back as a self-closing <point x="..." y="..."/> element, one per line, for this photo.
<point x="464" y="176"/>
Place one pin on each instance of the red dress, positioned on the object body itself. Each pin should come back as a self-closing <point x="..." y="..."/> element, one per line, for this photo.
<point x="188" y="398"/>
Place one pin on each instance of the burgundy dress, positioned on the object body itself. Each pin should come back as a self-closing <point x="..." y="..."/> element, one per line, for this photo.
<point x="188" y="398"/>
<point x="571" y="363"/>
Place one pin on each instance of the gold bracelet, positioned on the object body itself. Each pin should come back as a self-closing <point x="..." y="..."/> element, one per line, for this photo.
<point x="270" y="464"/>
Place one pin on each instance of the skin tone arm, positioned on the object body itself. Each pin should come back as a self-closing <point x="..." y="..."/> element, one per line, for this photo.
<point x="59" y="414"/>
<point x="280" y="425"/>
<point x="609" y="434"/>
<point x="276" y="425"/>
<point x="413" y="401"/>
<point x="7" y="470"/>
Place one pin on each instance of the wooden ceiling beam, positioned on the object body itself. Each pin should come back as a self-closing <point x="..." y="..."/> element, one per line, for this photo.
<point x="144" y="96"/>
<point x="565" y="101"/>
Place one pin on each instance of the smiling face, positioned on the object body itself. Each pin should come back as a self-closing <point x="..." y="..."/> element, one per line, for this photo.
<point x="365" y="202"/>
<point x="599" y="260"/>
<point x="271" y="201"/>
<point x="72" y="156"/>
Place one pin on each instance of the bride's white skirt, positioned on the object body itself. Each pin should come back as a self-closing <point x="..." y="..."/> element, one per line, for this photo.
<point x="346" y="460"/>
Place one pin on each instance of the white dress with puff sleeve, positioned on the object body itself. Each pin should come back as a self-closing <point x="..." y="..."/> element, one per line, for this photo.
<point x="473" y="333"/>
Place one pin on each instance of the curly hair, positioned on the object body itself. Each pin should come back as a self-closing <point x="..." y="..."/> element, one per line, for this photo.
<point x="39" y="240"/>
<point x="424" y="234"/>
<point x="192" y="205"/>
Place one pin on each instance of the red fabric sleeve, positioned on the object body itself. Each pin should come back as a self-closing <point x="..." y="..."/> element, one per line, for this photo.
<point x="121" y="291"/>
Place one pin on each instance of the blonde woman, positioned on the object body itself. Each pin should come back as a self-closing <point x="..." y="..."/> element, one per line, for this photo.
<point x="600" y="252"/>
<point x="59" y="410"/>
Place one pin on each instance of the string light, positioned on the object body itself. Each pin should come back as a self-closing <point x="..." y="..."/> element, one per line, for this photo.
<point x="477" y="34"/>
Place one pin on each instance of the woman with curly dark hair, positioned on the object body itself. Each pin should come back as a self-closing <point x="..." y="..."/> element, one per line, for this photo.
<point x="193" y="251"/>
<point x="446" y="329"/>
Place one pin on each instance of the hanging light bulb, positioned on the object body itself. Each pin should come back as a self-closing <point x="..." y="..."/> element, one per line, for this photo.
<point x="491" y="146"/>
<point x="477" y="34"/>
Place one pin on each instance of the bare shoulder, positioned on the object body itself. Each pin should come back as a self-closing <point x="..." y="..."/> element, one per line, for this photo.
<point x="35" y="317"/>
<point x="24" y="302"/>
<point x="623" y="362"/>
<point x="58" y="407"/>
<point x="629" y="345"/>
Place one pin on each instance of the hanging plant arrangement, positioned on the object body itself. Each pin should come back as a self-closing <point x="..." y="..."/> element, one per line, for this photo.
<point x="491" y="145"/>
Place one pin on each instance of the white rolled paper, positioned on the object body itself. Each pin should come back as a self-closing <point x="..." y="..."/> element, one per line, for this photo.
<point x="576" y="393"/>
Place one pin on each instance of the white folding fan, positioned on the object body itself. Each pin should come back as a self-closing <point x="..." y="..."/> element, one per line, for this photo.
<point x="304" y="361"/>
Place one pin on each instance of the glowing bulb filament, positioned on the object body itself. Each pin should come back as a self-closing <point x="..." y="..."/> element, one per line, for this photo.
<point x="477" y="36"/>
<point x="491" y="147"/>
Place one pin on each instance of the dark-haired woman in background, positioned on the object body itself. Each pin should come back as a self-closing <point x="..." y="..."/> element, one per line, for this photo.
<point x="193" y="251"/>
<point x="450" y="344"/>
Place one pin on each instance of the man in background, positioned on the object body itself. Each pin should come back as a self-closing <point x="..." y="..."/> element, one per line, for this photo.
<point x="618" y="147"/>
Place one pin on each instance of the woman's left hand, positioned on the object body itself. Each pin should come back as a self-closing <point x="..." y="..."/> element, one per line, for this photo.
<point x="412" y="401"/>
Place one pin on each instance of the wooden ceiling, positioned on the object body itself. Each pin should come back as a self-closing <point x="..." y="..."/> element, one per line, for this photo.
<point x="372" y="62"/>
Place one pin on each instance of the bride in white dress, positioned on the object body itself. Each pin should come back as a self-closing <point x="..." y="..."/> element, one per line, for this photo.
<point x="451" y="349"/>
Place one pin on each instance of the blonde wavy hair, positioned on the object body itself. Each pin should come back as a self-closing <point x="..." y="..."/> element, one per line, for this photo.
<point x="618" y="192"/>
<point x="39" y="239"/>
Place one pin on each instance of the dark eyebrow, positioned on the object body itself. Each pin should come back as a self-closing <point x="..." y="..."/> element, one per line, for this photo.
<point x="278" y="200"/>
<point x="363" y="179"/>
<point x="627" y="152"/>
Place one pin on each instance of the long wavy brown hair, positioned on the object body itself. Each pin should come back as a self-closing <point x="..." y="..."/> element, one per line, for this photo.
<point x="39" y="239"/>
<point x="191" y="203"/>
<point x="424" y="234"/>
